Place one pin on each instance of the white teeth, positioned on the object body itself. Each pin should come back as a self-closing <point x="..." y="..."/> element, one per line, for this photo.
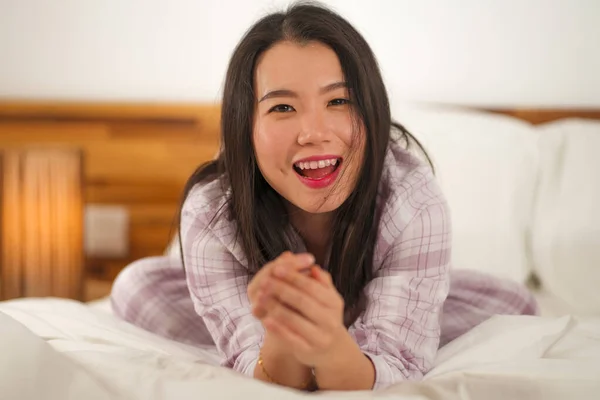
<point x="316" y="164"/>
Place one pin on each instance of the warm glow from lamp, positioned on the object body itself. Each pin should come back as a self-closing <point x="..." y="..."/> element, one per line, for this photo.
<point x="42" y="224"/>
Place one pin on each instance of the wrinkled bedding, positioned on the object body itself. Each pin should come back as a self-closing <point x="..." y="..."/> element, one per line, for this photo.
<point x="61" y="349"/>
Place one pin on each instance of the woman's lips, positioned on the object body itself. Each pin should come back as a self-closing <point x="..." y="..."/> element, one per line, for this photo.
<point x="318" y="178"/>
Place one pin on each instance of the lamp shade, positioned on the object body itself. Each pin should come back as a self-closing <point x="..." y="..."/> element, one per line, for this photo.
<point x="41" y="237"/>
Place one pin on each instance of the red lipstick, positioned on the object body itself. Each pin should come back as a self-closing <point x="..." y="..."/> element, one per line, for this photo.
<point x="318" y="176"/>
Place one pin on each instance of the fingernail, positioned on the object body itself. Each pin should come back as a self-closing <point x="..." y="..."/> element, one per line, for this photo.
<point x="307" y="259"/>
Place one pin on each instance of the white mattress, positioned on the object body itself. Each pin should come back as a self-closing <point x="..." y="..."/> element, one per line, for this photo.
<point x="60" y="349"/>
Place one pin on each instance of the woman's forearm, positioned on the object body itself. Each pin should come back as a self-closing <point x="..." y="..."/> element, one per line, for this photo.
<point x="346" y="369"/>
<point x="281" y="367"/>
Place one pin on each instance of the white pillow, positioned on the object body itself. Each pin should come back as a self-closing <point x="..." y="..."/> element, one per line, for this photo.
<point x="566" y="230"/>
<point x="486" y="164"/>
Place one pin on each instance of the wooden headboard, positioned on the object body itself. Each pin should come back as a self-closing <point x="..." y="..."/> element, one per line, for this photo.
<point x="138" y="156"/>
<point x="534" y="116"/>
<point x="540" y="116"/>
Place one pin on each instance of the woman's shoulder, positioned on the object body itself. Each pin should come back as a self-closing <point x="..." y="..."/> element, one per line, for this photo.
<point x="206" y="201"/>
<point x="205" y="220"/>
<point x="408" y="187"/>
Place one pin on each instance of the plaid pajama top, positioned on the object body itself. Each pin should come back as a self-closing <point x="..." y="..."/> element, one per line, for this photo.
<point x="399" y="328"/>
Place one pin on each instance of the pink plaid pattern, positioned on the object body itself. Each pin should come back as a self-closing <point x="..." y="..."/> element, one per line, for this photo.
<point x="414" y="304"/>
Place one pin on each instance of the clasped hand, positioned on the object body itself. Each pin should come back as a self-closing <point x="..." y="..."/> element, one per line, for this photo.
<point x="299" y="306"/>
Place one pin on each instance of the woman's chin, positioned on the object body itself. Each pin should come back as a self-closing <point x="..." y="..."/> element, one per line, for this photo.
<point x="319" y="206"/>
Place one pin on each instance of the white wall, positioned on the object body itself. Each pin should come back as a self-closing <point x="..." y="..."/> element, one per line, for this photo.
<point x="485" y="52"/>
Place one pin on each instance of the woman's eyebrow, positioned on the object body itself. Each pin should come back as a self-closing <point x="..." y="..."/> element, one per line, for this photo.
<point x="278" y="93"/>
<point x="290" y="93"/>
<point x="333" y="86"/>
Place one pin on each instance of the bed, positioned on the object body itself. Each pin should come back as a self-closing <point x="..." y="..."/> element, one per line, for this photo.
<point x="523" y="186"/>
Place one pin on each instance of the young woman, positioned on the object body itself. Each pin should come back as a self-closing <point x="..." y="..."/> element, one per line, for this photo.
<point x="315" y="248"/>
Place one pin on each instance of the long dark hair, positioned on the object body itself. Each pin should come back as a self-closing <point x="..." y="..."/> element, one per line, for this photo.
<point x="256" y="207"/>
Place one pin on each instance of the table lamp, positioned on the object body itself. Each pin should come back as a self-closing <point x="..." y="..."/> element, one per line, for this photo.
<point x="41" y="223"/>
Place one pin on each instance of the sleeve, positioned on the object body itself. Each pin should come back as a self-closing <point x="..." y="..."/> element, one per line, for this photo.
<point x="400" y="328"/>
<point x="218" y="286"/>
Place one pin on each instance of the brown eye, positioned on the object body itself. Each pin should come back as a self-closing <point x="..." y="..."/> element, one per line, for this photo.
<point x="282" y="108"/>
<point x="339" y="102"/>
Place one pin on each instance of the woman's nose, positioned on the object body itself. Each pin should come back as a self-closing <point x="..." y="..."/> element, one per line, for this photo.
<point x="313" y="129"/>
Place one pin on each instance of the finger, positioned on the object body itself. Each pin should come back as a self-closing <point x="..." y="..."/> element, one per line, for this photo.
<point x="324" y="278"/>
<point x="294" y="261"/>
<point x="258" y="309"/>
<point x="321" y="276"/>
<point x="287" y="260"/>
<point x="285" y="334"/>
<point x="315" y="289"/>
<point x="287" y="257"/>
<point x="298" y="300"/>
<point x="265" y="304"/>
<point x="294" y="322"/>
<point x="254" y="285"/>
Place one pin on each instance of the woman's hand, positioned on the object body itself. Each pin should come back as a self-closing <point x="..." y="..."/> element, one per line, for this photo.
<point x="303" y="311"/>
<point x="278" y="359"/>
<point x="286" y="261"/>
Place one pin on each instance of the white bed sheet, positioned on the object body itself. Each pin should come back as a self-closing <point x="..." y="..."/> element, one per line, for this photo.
<point x="550" y="304"/>
<point x="61" y="349"/>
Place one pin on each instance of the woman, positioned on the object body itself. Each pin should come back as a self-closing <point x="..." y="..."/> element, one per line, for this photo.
<point x="316" y="248"/>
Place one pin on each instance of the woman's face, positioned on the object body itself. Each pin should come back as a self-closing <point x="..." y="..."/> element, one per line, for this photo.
<point x="307" y="144"/>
